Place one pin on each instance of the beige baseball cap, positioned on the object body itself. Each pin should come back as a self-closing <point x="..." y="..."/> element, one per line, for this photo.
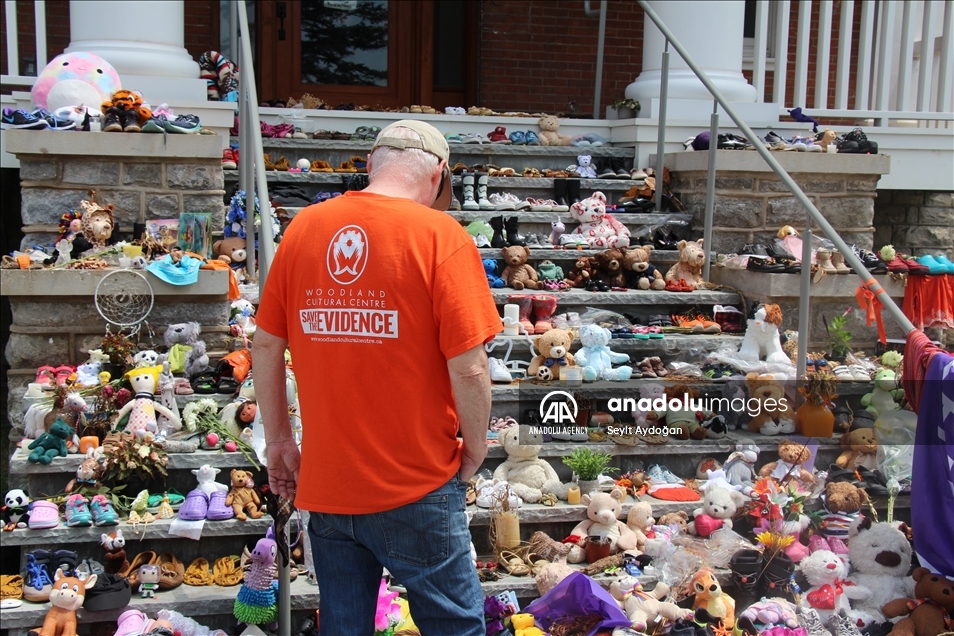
<point x="431" y="141"/>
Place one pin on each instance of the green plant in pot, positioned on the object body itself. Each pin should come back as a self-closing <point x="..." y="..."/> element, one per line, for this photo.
<point x="626" y="107"/>
<point x="588" y="466"/>
<point x="839" y="336"/>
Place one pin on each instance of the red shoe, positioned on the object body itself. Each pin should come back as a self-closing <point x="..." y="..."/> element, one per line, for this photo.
<point x="228" y="160"/>
<point x="499" y="136"/>
<point x="897" y="265"/>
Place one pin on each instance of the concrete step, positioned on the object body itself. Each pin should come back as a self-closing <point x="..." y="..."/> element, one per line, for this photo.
<point x="650" y="300"/>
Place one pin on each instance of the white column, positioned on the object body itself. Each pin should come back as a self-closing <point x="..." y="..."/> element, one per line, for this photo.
<point x="712" y="34"/>
<point x="147" y="51"/>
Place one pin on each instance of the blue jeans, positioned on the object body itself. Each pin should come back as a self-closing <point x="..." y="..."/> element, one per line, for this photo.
<point x="425" y="545"/>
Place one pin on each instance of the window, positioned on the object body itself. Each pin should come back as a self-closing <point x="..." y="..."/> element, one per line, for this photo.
<point x="225" y="29"/>
<point x="748" y="34"/>
<point x="449" y="45"/>
<point x="345" y="42"/>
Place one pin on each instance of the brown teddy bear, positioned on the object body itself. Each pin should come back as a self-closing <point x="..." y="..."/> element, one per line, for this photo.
<point x="583" y="270"/>
<point x="242" y="496"/>
<point x="791" y="456"/>
<point x="689" y="268"/>
<point x="610" y="264"/>
<point x="844" y="498"/>
<point x="518" y="274"/>
<point x="929" y="612"/>
<point x="680" y="519"/>
<point x="231" y="250"/>
<point x="549" y="132"/>
<point x="861" y="447"/>
<point x="554" y="348"/>
<point x="639" y="272"/>
<point x="774" y="414"/>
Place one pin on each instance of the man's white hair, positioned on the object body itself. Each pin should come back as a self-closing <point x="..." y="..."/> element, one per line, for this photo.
<point x="410" y="164"/>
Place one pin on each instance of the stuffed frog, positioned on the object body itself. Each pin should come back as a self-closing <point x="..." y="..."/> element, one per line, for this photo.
<point x="882" y="398"/>
<point x="551" y="274"/>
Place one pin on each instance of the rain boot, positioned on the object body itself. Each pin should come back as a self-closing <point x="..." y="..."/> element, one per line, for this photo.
<point x="525" y="303"/>
<point x="513" y="232"/>
<point x="470" y="203"/>
<point x="498" y="241"/>
<point x="482" y="199"/>
<point x="543" y="307"/>
<point x="573" y="191"/>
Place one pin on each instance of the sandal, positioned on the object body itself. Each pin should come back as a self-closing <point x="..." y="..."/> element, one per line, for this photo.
<point x="536" y="562"/>
<point x="282" y="164"/>
<point x="46" y="375"/>
<point x="226" y="571"/>
<point x="320" y="165"/>
<point x="205" y="383"/>
<point x="181" y="386"/>
<point x="198" y="573"/>
<point x="513" y="564"/>
<point x="43" y="515"/>
<point x="346" y="166"/>
<point x="11" y="586"/>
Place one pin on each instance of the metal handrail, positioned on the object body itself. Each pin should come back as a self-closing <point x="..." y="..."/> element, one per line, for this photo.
<point x="813" y="214"/>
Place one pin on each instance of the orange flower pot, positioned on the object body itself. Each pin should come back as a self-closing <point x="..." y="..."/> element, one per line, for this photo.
<point x="815" y="420"/>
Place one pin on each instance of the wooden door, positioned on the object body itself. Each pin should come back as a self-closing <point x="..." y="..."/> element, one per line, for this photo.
<point x="374" y="52"/>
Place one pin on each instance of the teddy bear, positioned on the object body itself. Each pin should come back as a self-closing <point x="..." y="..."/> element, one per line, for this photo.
<point x="639" y="273"/>
<point x="842" y="506"/>
<point x="551" y="275"/>
<point x="584" y="167"/>
<point x="529" y="476"/>
<point x="880" y="556"/>
<point x="554" y="348"/>
<point x="242" y="496"/>
<point x="773" y="413"/>
<point x="791" y="456"/>
<point x="861" y="446"/>
<point x="652" y="392"/>
<point x="719" y="505"/>
<point x="882" y="397"/>
<point x="734" y="396"/>
<point x="739" y="468"/>
<point x="597" y="358"/>
<point x="583" y="270"/>
<point x="610" y="264"/>
<point x="678" y="519"/>
<point x="708" y="595"/>
<point x="686" y="419"/>
<point x="51" y="444"/>
<point x="549" y="132"/>
<point x="599" y="229"/>
<point x="689" y="268"/>
<point x="602" y="520"/>
<point x="186" y="352"/>
<point x="233" y="251"/>
<point x="518" y="273"/>
<point x="87" y="374"/>
<point x="928" y="611"/>
<point x="640" y="521"/>
<point x="643" y="608"/>
<point x="829" y="593"/>
<point x="490" y="268"/>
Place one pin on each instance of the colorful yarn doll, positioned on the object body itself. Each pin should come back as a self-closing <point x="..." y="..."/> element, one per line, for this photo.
<point x="143" y="407"/>
<point x="257" y="602"/>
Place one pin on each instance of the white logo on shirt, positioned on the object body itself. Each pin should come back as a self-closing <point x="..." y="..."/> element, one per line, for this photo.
<point x="347" y="254"/>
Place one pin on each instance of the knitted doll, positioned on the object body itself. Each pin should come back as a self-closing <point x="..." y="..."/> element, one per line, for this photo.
<point x="143" y="407"/>
<point x="257" y="602"/>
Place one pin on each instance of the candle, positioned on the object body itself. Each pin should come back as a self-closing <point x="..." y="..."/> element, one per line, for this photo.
<point x="132" y="251"/>
<point x="507" y="525"/>
<point x="573" y="376"/>
<point x="573" y="495"/>
<point x="511" y="320"/>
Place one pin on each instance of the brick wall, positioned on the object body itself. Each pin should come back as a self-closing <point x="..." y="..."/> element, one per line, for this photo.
<point x="914" y="221"/>
<point x="201" y="27"/>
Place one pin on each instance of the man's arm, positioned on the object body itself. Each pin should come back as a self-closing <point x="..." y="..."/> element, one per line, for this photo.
<point x="284" y="458"/>
<point x="470" y="381"/>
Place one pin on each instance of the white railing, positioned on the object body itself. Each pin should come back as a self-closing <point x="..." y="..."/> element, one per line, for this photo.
<point x="11" y="75"/>
<point x="904" y="65"/>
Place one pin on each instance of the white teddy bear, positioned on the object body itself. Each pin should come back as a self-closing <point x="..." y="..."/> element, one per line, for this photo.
<point x="597" y="358"/>
<point x="830" y="591"/>
<point x="880" y="557"/>
<point x="584" y="167"/>
<point x="718" y="507"/>
<point x="599" y="229"/>
<point x="529" y="476"/>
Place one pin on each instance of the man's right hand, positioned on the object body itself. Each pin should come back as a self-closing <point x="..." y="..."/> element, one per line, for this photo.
<point x="471" y="459"/>
<point x="284" y="460"/>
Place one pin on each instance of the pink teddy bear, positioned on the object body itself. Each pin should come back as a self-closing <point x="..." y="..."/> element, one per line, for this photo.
<point x="599" y="229"/>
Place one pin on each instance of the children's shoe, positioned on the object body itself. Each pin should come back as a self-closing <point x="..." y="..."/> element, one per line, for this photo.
<point x="498" y="371"/>
<point x="43" y="515"/>
<point x="183" y="124"/>
<point x="518" y="138"/>
<point x="55" y="122"/>
<point x="112" y="120"/>
<point x="22" y="120"/>
<point x="37" y="582"/>
<point x="934" y="267"/>
<point x="65" y="560"/>
<point x="228" y="160"/>
<point x="662" y="475"/>
<point x="130" y="119"/>
<point x="499" y="136"/>
<point x="102" y="511"/>
<point x="218" y="511"/>
<point x="77" y="512"/>
<point x="945" y="261"/>
<point x="155" y="124"/>
<point x="196" y="506"/>
<point x="531" y="138"/>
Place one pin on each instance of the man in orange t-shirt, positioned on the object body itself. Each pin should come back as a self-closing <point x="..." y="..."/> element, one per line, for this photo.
<point x="385" y="307"/>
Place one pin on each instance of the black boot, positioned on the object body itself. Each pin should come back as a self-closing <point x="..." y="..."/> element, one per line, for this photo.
<point x="573" y="191"/>
<point x="513" y="232"/>
<point x="777" y="577"/>
<point x="113" y="120"/>
<point x="746" y="567"/>
<point x="130" y="120"/>
<point x="498" y="241"/>
<point x="559" y="191"/>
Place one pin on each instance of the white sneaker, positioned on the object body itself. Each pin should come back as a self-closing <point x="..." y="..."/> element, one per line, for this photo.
<point x="498" y="371"/>
<point x="482" y="241"/>
<point x="503" y="201"/>
<point x="573" y="318"/>
<point x="490" y="493"/>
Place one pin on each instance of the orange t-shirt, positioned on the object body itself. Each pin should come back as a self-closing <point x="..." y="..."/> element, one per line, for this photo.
<point x="375" y="294"/>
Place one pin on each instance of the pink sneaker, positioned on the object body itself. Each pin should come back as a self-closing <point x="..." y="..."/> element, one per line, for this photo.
<point x="818" y="542"/>
<point x="837" y="546"/>
<point x="131" y="623"/>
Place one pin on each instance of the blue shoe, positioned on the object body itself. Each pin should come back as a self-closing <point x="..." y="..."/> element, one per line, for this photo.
<point x="77" y="512"/>
<point x="22" y="120"/>
<point x="102" y="511"/>
<point x="944" y="260"/>
<point x="183" y="124"/>
<point x="156" y="124"/>
<point x="934" y="267"/>
<point x="37" y="583"/>
<point x="53" y="121"/>
<point x="518" y="138"/>
<point x="531" y="138"/>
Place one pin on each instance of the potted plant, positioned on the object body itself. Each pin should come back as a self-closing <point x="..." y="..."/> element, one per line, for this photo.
<point x="120" y="349"/>
<point x="839" y="336"/>
<point x="814" y="417"/>
<point x="588" y="466"/>
<point x="134" y="463"/>
<point x="626" y="108"/>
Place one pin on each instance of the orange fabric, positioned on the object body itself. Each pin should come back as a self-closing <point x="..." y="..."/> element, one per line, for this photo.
<point x="374" y="295"/>
<point x="233" y="282"/>
<point x="676" y="493"/>
<point x="868" y="301"/>
<point x="929" y="301"/>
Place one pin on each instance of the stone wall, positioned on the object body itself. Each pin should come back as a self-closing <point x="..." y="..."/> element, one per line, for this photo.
<point x="136" y="173"/>
<point x="751" y="203"/>
<point x="915" y="222"/>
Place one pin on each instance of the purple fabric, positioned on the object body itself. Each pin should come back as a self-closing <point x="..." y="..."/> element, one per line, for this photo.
<point x="577" y="595"/>
<point x="798" y="115"/>
<point x="701" y="142"/>
<point x="932" y="480"/>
